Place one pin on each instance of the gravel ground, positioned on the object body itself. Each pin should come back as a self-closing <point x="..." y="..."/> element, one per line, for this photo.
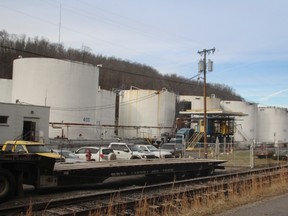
<point x="274" y="206"/>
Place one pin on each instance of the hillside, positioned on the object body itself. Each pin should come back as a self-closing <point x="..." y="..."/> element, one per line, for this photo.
<point x="115" y="73"/>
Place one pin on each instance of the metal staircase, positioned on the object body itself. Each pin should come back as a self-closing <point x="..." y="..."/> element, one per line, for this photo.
<point x="191" y="143"/>
<point x="241" y="132"/>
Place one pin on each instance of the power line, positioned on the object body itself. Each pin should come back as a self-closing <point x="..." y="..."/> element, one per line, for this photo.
<point x="160" y="77"/>
<point x="146" y="97"/>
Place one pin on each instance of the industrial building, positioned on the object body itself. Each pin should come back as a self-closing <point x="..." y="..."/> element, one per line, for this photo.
<point x="243" y="123"/>
<point x="67" y="97"/>
<point x="19" y="121"/>
<point x="78" y="107"/>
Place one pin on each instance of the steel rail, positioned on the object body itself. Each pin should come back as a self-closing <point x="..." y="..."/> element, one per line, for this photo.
<point x="126" y="199"/>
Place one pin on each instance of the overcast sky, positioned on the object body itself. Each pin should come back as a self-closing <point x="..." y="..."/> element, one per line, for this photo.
<point x="250" y="36"/>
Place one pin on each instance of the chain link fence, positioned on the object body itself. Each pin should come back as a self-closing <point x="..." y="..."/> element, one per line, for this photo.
<point x="247" y="155"/>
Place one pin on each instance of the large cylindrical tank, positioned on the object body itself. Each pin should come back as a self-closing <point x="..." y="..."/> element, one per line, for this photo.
<point x="69" y="88"/>
<point x="272" y="125"/>
<point x="146" y="113"/>
<point x="5" y="91"/>
<point x="105" y="113"/>
<point x="197" y="102"/>
<point x="245" y="126"/>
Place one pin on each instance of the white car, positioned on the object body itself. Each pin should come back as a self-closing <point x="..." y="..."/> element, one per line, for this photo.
<point x="157" y="152"/>
<point x="69" y="156"/>
<point x="130" y="151"/>
<point x="97" y="154"/>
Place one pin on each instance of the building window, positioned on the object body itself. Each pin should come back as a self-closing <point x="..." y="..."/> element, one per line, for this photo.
<point x="3" y="119"/>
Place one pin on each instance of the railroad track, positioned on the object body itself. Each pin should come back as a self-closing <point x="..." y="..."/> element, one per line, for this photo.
<point x="155" y="197"/>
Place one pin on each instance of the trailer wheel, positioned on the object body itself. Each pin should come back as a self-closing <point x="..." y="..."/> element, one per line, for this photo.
<point x="7" y="184"/>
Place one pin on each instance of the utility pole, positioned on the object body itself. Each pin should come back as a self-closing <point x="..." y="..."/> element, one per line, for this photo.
<point x="202" y="68"/>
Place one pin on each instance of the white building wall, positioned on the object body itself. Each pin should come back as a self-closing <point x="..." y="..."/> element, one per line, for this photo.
<point x="245" y="126"/>
<point x="17" y="114"/>
<point x="69" y="88"/>
<point x="6" y="91"/>
<point x="146" y="113"/>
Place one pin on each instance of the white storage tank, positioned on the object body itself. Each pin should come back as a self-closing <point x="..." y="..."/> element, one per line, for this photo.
<point x="272" y="125"/>
<point x="5" y="91"/>
<point x="146" y="113"/>
<point x="69" y="88"/>
<point x="245" y="126"/>
<point x="197" y="102"/>
<point x="105" y="113"/>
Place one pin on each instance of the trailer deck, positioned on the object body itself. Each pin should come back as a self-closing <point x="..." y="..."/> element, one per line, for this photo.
<point x="42" y="172"/>
<point x="99" y="171"/>
<point x="60" y="167"/>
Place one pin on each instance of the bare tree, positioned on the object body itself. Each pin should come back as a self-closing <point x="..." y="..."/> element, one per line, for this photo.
<point x="115" y="73"/>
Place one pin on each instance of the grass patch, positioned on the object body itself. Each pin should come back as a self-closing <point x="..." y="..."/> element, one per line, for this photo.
<point x="236" y="158"/>
<point x="240" y="195"/>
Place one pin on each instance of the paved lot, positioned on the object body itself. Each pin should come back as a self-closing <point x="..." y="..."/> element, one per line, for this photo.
<point x="274" y="206"/>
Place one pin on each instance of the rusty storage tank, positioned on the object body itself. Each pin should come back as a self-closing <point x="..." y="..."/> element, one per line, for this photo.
<point x="70" y="90"/>
<point x="146" y="113"/>
<point x="245" y="129"/>
<point x="272" y="125"/>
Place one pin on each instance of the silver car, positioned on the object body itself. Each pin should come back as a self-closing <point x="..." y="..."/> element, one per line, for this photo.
<point x="176" y="149"/>
<point x="130" y="151"/>
<point x="157" y="152"/>
<point x="69" y="156"/>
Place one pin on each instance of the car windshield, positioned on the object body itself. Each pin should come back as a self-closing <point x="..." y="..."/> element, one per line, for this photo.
<point x="37" y="149"/>
<point x="152" y="148"/>
<point x="134" y="148"/>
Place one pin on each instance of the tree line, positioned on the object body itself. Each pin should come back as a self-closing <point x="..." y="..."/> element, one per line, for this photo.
<point x="115" y="73"/>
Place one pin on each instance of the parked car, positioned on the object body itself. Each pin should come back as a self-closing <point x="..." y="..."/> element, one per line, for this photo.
<point x="265" y="151"/>
<point x="97" y="154"/>
<point x="176" y="149"/>
<point x="281" y="155"/>
<point x="159" y="153"/>
<point x="22" y="146"/>
<point x="69" y="156"/>
<point x="130" y="151"/>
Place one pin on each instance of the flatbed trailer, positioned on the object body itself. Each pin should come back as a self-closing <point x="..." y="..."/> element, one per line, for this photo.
<point x="43" y="172"/>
